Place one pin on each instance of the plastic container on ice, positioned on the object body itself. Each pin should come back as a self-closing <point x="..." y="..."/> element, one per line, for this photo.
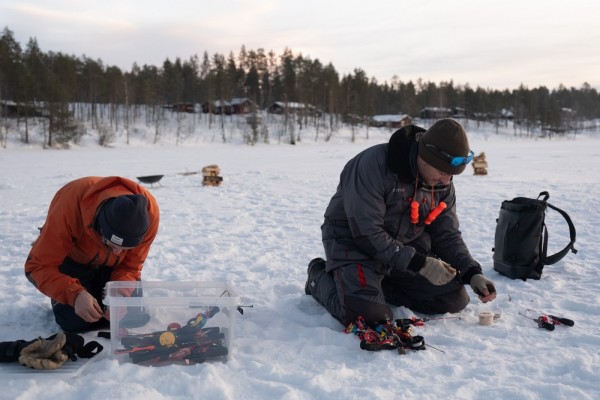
<point x="158" y="323"/>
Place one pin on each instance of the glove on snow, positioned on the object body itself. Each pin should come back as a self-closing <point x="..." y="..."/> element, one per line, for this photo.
<point x="45" y="353"/>
<point x="436" y="271"/>
<point x="480" y="282"/>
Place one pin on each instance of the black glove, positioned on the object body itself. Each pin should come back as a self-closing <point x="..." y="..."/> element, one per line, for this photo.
<point x="49" y="353"/>
<point x="10" y="351"/>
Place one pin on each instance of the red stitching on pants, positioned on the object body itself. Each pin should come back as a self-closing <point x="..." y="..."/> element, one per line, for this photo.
<point x="361" y="276"/>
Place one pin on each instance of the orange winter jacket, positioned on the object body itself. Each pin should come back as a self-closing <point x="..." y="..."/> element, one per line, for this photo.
<point x="68" y="232"/>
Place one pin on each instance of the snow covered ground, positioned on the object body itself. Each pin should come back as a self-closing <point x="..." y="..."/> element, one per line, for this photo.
<point x="259" y="230"/>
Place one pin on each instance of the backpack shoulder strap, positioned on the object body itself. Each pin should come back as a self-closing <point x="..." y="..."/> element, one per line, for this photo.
<point x="549" y="260"/>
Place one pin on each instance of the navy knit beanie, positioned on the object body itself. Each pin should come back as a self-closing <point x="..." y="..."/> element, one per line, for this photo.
<point x="444" y="138"/>
<point x="123" y="220"/>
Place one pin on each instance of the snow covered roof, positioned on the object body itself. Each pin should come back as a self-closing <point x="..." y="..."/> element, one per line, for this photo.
<point x="292" y="104"/>
<point x="389" y="117"/>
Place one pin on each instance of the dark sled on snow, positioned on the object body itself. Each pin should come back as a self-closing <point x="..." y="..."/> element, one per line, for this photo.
<point x="150" y="179"/>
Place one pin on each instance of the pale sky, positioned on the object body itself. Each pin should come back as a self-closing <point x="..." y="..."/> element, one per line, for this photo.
<point x="496" y="44"/>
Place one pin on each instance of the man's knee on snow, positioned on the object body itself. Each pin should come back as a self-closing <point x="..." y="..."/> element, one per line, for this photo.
<point x="457" y="301"/>
<point x="451" y="302"/>
<point x="369" y="310"/>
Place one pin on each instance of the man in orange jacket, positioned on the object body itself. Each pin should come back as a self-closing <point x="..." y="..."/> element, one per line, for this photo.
<point x="97" y="230"/>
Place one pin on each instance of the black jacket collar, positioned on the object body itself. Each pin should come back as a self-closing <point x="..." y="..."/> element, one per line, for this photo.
<point x="402" y="152"/>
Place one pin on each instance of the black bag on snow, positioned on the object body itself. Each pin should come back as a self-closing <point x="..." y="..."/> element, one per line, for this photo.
<point x="521" y="239"/>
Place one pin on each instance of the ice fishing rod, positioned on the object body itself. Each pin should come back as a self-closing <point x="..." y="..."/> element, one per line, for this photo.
<point x="420" y="321"/>
<point x="547" y="321"/>
<point x="542" y="321"/>
<point x="554" y="319"/>
<point x="435" y="348"/>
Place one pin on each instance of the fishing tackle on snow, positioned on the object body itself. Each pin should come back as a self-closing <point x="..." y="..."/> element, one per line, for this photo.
<point x="191" y="343"/>
<point x="389" y="335"/>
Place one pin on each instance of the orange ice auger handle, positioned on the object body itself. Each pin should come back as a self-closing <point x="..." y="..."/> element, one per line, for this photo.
<point x="414" y="212"/>
<point x="435" y="212"/>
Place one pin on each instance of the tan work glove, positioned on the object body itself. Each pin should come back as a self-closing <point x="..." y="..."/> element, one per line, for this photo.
<point x="436" y="271"/>
<point x="45" y="354"/>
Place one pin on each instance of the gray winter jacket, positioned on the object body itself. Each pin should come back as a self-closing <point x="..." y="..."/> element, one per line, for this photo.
<point x="368" y="218"/>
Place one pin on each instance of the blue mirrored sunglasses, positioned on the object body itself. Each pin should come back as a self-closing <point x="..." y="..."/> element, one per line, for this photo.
<point x="455" y="161"/>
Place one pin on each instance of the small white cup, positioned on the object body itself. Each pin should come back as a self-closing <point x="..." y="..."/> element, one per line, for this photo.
<point x="486" y="318"/>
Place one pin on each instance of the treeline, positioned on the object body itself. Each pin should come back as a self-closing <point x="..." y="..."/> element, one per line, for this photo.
<point x="30" y="75"/>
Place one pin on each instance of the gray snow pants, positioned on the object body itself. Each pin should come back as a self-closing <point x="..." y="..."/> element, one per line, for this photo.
<point x="356" y="289"/>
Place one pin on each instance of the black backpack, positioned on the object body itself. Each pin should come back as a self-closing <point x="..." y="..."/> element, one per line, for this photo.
<point x="521" y="240"/>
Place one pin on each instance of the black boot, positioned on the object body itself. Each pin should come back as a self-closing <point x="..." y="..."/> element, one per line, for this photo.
<point x="315" y="267"/>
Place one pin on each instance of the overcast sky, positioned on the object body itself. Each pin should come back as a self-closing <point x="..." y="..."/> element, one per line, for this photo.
<point x="488" y="43"/>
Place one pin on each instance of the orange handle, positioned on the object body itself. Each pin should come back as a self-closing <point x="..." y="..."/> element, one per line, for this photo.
<point x="435" y="212"/>
<point x="414" y="212"/>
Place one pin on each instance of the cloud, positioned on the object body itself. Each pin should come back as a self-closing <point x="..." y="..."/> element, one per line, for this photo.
<point x="71" y="19"/>
<point x="492" y="44"/>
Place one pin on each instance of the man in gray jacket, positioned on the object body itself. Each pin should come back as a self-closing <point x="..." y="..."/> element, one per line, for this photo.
<point x="391" y="233"/>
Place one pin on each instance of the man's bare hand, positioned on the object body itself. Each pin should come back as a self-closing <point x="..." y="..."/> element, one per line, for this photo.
<point x="87" y="307"/>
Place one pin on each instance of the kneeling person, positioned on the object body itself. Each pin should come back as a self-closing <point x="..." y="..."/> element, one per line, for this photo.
<point x="391" y="233"/>
<point x="97" y="230"/>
